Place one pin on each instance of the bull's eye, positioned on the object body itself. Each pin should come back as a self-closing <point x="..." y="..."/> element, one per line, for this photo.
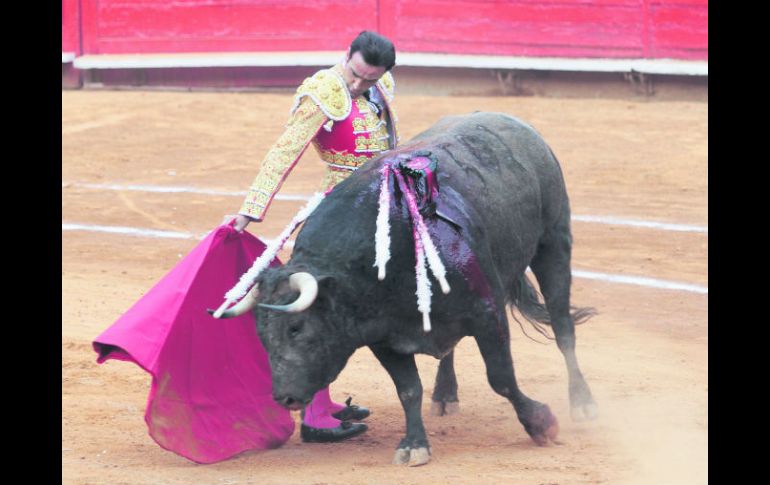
<point x="294" y="330"/>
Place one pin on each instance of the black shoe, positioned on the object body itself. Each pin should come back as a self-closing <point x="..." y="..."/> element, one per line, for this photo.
<point x="344" y="431"/>
<point x="351" y="413"/>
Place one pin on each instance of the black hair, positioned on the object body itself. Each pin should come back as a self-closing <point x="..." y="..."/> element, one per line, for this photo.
<point x="375" y="49"/>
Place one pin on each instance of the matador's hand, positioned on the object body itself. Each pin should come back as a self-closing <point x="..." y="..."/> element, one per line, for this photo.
<point x="241" y="222"/>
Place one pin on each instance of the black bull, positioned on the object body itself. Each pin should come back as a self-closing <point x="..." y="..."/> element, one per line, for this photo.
<point x="504" y="192"/>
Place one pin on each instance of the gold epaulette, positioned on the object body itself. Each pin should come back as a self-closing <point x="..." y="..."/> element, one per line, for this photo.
<point x="328" y="90"/>
<point x="387" y="85"/>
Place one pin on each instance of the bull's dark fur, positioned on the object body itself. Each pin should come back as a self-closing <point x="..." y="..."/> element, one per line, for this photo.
<point x="503" y="186"/>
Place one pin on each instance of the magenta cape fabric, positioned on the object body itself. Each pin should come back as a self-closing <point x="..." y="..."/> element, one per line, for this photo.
<point x="211" y="394"/>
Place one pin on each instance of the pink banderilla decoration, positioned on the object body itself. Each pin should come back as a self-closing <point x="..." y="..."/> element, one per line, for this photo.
<point x="425" y="250"/>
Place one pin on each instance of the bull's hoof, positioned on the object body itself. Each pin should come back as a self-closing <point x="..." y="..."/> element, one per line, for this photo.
<point x="442" y="408"/>
<point x="411" y="457"/>
<point x="586" y="412"/>
<point x="582" y="404"/>
<point x="542" y="426"/>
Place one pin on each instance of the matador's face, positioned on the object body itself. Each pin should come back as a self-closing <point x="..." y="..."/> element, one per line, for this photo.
<point x="360" y="76"/>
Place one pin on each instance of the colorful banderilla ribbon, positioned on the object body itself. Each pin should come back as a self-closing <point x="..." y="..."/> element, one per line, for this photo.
<point x="426" y="254"/>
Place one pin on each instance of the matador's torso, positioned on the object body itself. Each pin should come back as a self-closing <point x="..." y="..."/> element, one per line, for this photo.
<point x="346" y="133"/>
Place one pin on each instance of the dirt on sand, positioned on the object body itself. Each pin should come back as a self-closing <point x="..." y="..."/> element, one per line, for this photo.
<point x="644" y="356"/>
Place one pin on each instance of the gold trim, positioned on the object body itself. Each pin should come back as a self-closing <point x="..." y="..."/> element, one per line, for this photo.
<point x="334" y="177"/>
<point x="345" y="159"/>
<point x="388" y="85"/>
<point x="359" y="126"/>
<point x="327" y="89"/>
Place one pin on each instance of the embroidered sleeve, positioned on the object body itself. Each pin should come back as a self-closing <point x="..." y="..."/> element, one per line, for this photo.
<point x="304" y="123"/>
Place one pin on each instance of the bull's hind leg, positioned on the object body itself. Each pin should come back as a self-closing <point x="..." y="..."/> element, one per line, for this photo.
<point x="445" y="391"/>
<point x="414" y="449"/>
<point x="536" y="417"/>
<point x="551" y="266"/>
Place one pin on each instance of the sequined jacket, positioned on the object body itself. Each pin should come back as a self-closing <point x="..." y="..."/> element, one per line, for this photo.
<point x="345" y="132"/>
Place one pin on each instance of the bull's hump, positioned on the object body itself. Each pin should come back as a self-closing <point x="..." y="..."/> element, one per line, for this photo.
<point x="449" y="127"/>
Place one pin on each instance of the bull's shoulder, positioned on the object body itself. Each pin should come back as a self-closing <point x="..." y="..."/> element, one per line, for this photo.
<point x="328" y="91"/>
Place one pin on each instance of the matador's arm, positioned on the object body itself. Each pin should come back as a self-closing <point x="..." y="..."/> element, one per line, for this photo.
<point x="302" y="127"/>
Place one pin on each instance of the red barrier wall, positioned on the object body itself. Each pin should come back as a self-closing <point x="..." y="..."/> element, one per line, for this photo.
<point x="678" y="29"/>
<point x="551" y="28"/>
<point x="155" y="26"/>
<point x="70" y="26"/>
<point x="540" y="28"/>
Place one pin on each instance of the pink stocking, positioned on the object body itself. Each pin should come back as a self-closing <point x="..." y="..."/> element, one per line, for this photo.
<point x="318" y="412"/>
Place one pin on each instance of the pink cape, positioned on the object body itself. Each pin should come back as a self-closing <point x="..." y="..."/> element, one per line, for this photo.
<point x="211" y="394"/>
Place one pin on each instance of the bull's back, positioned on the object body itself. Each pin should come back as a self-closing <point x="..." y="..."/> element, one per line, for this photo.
<point x="492" y="164"/>
<point x="502" y="168"/>
<point x="505" y="185"/>
<point x="495" y="150"/>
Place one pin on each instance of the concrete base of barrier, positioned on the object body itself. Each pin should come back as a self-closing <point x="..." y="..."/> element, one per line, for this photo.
<point x="413" y="80"/>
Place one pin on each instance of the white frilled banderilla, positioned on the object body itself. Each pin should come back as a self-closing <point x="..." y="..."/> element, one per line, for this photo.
<point x="426" y="254"/>
<point x="246" y="282"/>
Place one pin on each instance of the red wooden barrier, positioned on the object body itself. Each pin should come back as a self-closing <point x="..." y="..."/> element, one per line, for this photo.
<point x="70" y="26"/>
<point x="70" y="43"/>
<point x="155" y="26"/>
<point x="550" y="28"/>
<point x="540" y="28"/>
<point x="678" y="29"/>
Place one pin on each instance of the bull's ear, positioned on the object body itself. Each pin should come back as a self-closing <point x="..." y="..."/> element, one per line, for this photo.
<point x="327" y="286"/>
<point x="326" y="283"/>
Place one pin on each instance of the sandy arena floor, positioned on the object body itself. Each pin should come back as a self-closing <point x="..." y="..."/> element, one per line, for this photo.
<point x="645" y="354"/>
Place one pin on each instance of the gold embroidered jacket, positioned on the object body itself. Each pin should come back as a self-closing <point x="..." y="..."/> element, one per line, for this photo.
<point x="346" y="133"/>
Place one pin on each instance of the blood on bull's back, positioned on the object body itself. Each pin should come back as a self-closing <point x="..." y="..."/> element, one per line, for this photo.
<point x="498" y="178"/>
<point x="500" y="188"/>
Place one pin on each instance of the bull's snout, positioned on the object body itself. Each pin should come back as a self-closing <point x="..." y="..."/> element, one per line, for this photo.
<point x="289" y="402"/>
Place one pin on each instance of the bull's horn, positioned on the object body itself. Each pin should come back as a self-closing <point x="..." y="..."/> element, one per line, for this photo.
<point x="247" y="303"/>
<point x="307" y="286"/>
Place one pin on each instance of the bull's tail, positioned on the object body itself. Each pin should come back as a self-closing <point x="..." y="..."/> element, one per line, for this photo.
<point x="530" y="304"/>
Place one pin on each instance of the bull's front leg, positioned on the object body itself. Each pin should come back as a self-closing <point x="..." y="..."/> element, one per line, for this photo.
<point x="414" y="449"/>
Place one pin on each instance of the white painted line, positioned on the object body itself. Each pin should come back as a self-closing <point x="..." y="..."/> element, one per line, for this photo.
<point x="633" y="280"/>
<point x="153" y="233"/>
<point x="641" y="281"/>
<point x="158" y="189"/>
<point x="612" y="220"/>
<point x="617" y="221"/>
<point x="129" y="231"/>
<point x="67" y="57"/>
<point x="178" y="189"/>
<point x="413" y="59"/>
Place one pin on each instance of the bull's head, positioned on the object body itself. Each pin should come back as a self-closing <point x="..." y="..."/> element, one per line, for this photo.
<point x="300" y="331"/>
<point x="305" y="283"/>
